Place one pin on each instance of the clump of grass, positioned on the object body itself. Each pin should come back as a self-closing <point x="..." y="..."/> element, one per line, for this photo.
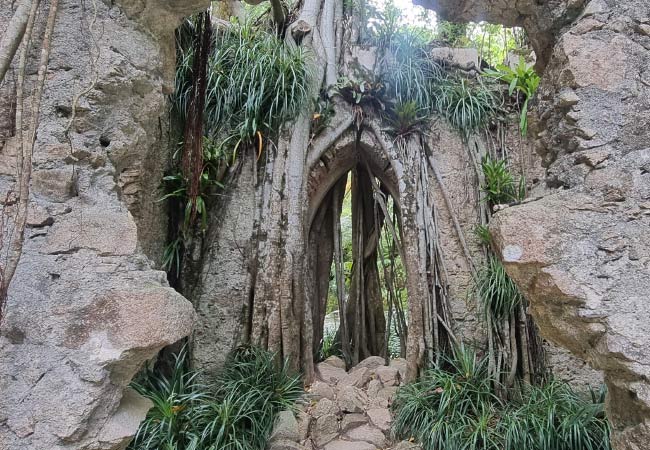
<point x="453" y="407"/>
<point x="498" y="294"/>
<point x="500" y="186"/>
<point x="467" y="105"/>
<point x="330" y="345"/>
<point x="256" y="82"/>
<point x="236" y="412"/>
<point x="521" y="79"/>
<point x="482" y="232"/>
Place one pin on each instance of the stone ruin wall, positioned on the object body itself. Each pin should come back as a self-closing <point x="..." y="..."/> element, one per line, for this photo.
<point x="86" y="307"/>
<point x="93" y="228"/>
<point x="580" y="251"/>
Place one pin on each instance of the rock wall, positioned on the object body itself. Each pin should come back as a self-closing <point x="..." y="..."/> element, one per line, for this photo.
<point x="580" y="251"/>
<point x="86" y="307"/>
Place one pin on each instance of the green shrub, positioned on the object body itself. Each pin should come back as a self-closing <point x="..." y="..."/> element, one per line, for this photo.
<point x="453" y="407"/>
<point x="329" y="345"/>
<point x="405" y="119"/>
<point x="498" y="294"/>
<point x="499" y="185"/>
<point x="522" y="78"/>
<point x="467" y="105"/>
<point x="449" y="407"/>
<point x="256" y="82"/>
<point x="168" y="424"/>
<point x="237" y="412"/>
<point x="482" y="232"/>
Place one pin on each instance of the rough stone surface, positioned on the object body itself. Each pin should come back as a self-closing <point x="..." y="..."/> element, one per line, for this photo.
<point x="381" y="418"/>
<point x="349" y="445"/>
<point x="86" y="307"/>
<point x="367" y="433"/>
<point x="352" y="399"/>
<point x="579" y="251"/>
<point x="358" y="416"/>
<point x="320" y="389"/>
<point x="325" y="429"/>
<point x="286" y="427"/>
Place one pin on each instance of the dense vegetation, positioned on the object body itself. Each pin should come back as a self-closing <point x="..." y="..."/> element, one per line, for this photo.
<point x="235" y="412"/>
<point x="454" y="406"/>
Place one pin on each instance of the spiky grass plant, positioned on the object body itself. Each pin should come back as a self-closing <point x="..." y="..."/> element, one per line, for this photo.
<point x="256" y="82"/>
<point x="330" y="345"/>
<point x="467" y="105"/>
<point x="482" y="232"/>
<point x="236" y="412"/>
<point x="499" y="186"/>
<point x="554" y="417"/>
<point x="405" y="119"/>
<point x="169" y="423"/>
<point x="498" y="294"/>
<point x="450" y="407"/>
<point x="453" y="407"/>
<point x="410" y="73"/>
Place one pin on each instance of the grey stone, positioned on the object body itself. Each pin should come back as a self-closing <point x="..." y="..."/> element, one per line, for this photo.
<point x="351" y="399"/>
<point x="374" y="386"/>
<point x="324" y="407"/>
<point x="286" y="427"/>
<point x="372" y="362"/>
<point x="284" y="444"/>
<point x="406" y="445"/>
<point x="320" y="389"/>
<point x="335" y="361"/>
<point x="380" y="417"/>
<point x="367" y="433"/>
<point x="329" y="373"/>
<point x="352" y="420"/>
<point x="389" y="376"/>
<point x="400" y="365"/>
<point x="325" y="429"/>
<point x="349" y="445"/>
<point x="357" y="377"/>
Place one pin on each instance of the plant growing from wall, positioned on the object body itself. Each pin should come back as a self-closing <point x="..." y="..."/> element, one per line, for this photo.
<point x="499" y="184"/>
<point x="254" y="82"/>
<point x="467" y="105"/>
<point x="497" y="292"/>
<point x="521" y="79"/>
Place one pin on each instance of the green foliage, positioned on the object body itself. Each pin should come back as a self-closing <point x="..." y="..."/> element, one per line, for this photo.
<point x="452" y="34"/>
<point x="453" y="407"/>
<point x="494" y="42"/>
<point x="362" y="92"/>
<point x="329" y="345"/>
<point x="169" y="422"/>
<point x="405" y="119"/>
<point x="555" y="417"/>
<point x="256" y="82"/>
<point x="498" y="294"/>
<point x="176" y="184"/>
<point x="499" y="185"/>
<point x="522" y="78"/>
<point x="467" y="105"/>
<point x="235" y="413"/>
<point x="482" y="232"/>
<point x="450" y="407"/>
<point x="172" y="256"/>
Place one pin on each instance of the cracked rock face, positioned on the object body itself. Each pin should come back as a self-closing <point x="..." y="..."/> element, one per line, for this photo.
<point x="580" y="253"/>
<point x="86" y="307"/>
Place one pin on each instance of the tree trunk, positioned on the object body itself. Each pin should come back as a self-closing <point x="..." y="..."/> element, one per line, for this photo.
<point x="14" y="33"/>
